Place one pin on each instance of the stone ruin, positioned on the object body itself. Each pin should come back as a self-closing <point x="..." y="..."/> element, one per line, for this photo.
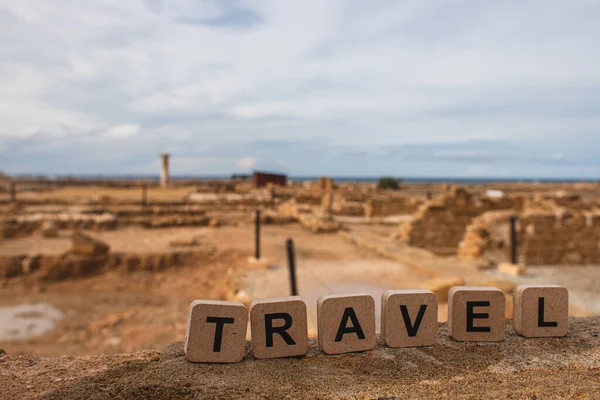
<point x="544" y="237"/>
<point x="383" y="206"/>
<point x="89" y="256"/>
<point x="439" y="225"/>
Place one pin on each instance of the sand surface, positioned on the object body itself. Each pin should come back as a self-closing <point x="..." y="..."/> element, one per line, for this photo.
<point x="517" y="368"/>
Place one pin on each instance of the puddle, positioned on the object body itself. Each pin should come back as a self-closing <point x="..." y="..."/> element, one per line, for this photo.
<point x="26" y="321"/>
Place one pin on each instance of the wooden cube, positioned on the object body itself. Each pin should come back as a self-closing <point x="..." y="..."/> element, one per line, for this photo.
<point x="216" y="331"/>
<point x="409" y="317"/>
<point x="279" y="327"/>
<point x="346" y="323"/>
<point x="541" y="310"/>
<point x="476" y="314"/>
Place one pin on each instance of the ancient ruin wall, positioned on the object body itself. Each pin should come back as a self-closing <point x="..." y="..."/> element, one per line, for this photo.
<point x="439" y="225"/>
<point x="384" y="206"/>
<point x="560" y="238"/>
<point x="544" y="237"/>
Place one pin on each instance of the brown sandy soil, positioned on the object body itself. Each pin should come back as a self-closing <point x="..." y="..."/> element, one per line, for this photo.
<point x="118" y="312"/>
<point x="85" y="193"/>
<point x="516" y="368"/>
<point x="128" y="240"/>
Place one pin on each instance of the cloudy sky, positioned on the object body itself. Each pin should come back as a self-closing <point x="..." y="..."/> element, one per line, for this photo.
<point x="428" y="88"/>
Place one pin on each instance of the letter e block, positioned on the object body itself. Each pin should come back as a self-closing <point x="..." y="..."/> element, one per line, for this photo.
<point x="279" y="327"/>
<point x="409" y="318"/>
<point x="541" y="310"/>
<point x="216" y="331"/>
<point x="476" y="314"/>
<point x="346" y="323"/>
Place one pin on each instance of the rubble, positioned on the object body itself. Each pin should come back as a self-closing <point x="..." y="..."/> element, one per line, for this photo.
<point x="87" y="246"/>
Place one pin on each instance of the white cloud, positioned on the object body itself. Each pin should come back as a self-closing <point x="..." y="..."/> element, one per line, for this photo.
<point x="198" y="73"/>
<point x="246" y="163"/>
<point x="123" y="131"/>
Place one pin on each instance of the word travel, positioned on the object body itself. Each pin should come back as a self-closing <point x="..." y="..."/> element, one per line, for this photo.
<point x="216" y="331"/>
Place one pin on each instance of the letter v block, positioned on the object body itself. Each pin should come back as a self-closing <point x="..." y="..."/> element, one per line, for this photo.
<point x="216" y="331"/>
<point x="541" y="310"/>
<point x="476" y="314"/>
<point x="346" y="323"/>
<point x="409" y="318"/>
<point x="279" y="327"/>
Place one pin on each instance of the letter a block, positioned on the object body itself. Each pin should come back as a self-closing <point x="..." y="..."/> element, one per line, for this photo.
<point x="541" y="310"/>
<point x="409" y="317"/>
<point x="476" y="314"/>
<point x="216" y="331"/>
<point x="279" y="327"/>
<point x="346" y="323"/>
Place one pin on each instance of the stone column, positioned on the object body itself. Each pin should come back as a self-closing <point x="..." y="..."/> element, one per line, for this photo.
<point x="164" y="177"/>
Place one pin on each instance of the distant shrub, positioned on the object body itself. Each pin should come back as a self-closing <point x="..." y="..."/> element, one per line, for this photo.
<point x="388" y="183"/>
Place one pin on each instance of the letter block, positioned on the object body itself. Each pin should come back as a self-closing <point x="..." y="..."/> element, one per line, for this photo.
<point x="541" y="310"/>
<point x="346" y="323"/>
<point x="279" y="327"/>
<point x="216" y="331"/>
<point x="476" y="314"/>
<point x="409" y="318"/>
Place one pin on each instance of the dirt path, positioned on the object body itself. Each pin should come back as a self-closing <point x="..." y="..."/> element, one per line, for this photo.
<point x="550" y="368"/>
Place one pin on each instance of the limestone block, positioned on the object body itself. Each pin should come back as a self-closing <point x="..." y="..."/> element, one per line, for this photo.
<point x="86" y="245"/>
<point x="541" y="310"/>
<point x="409" y="317"/>
<point x="511" y="269"/>
<point x="279" y="327"/>
<point x="346" y="323"/>
<point x="476" y="313"/>
<point x="216" y="331"/>
<point x="257" y="263"/>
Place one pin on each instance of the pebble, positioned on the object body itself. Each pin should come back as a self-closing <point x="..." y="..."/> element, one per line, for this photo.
<point x="57" y="380"/>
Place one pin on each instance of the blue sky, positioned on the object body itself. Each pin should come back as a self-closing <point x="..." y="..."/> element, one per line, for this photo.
<point x="356" y="88"/>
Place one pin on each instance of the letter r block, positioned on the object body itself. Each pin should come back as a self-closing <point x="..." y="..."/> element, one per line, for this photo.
<point x="476" y="314"/>
<point x="541" y="310"/>
<point x="346" y="323"/>
<point x="216" y="331"/>
<point x="279" y="327"/>
<point x="409" y="318"/>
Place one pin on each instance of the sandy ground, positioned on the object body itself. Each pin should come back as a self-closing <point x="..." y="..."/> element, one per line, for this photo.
<point x="84" y="193"/>
<point x="516" y="368"/>
<point x="117" y="312"/>
<point x="127" y="240"/>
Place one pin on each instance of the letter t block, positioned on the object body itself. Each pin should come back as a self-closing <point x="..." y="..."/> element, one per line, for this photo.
<point x="476" y="314"/>
<point x="216" y="331"/>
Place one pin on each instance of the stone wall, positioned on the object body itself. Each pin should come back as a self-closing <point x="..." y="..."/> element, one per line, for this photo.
<point x="70" y="266"/>
<point x="487" y="238"/>
<point x="544" y="237"/>
<point x="439" y="225"/>
<point x="559" y="238"/>
<point x="384" y="206"/>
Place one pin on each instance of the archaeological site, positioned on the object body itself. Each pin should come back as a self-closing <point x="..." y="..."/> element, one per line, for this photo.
<point x="104" y="272"/>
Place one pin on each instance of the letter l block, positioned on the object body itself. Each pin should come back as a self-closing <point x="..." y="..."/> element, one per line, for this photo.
<point x="541" y="310"/>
